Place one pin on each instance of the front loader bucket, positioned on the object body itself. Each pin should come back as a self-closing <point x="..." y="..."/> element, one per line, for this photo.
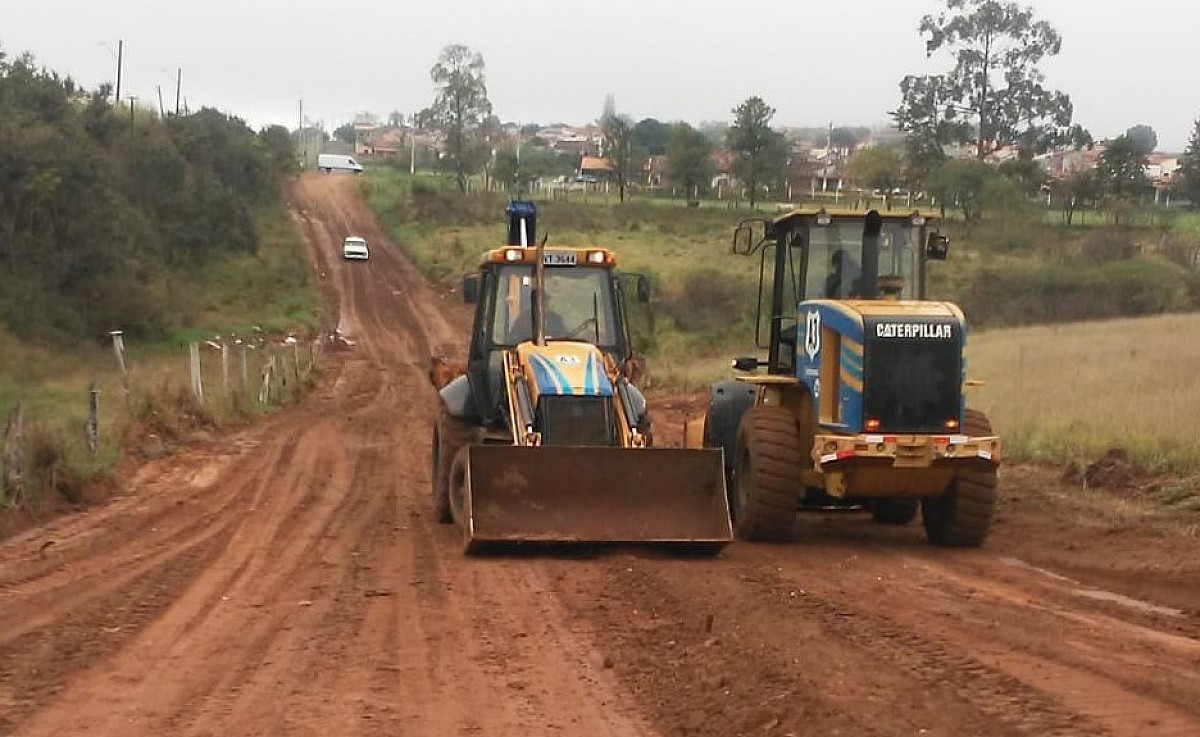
<point x="669" y="496"/>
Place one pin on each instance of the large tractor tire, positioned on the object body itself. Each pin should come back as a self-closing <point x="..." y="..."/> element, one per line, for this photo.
<point x="728" y="401"/>
<point x="962" y="516"/>
<point x="457" y="493"/>
<point x="895" y="511"/>
<point x="449" y="434"/>
<point x="766" y="475"/>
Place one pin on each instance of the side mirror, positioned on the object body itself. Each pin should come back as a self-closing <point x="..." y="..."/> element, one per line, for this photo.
<point x="937" y="247"/>
<point x="747" y="236"/>
<point x="470" y="288"/>
<point x="643" y="289"/>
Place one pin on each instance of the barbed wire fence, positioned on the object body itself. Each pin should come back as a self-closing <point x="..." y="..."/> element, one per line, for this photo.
<point x="226" y="376"/>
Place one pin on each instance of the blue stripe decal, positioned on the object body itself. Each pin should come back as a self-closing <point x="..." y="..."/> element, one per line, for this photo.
<point x="555" y="380"/>
<point x="600" y="384"/>
<point x="589" y="375"/>
<point x="851" y="367"/>
<point x="544" y="375"/>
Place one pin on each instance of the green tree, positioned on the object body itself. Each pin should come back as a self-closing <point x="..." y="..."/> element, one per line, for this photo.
<point x="761" y="150"/>
<point x="689" y="159"/>
<point x="993" y="95"/>
<point x="876" y="167"/>
<point x="99" y="219"/>
<point x="1144" y="136"/>
<point x="1081" y="188"/>
<point x="1026" y="173"/>
<point x="651" y="136"/>
<point x="965" y="184"/>
<point x="345" y="133"/>
<point x="620" y="150"/>
<point x="460" y="107"/>
<point x="1122" y="173"/>
<point x="1189" y="168"/>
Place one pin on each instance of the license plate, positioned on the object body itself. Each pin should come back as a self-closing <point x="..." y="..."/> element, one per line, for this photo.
<point x="559" y="258"/>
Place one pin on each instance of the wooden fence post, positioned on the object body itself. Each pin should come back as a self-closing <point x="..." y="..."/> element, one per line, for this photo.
<point x="194" y="364"/>
<point x="225" y="367"/>
<point x="13" y="478"/>
<point x="245" y="375"/>
<point x="93" y="420"/>
<point x="118" y="342"/>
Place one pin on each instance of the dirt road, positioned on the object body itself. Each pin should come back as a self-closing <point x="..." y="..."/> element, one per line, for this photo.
<point x="290" y="579"/>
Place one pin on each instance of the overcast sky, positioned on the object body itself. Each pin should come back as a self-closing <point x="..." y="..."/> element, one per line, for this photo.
<point x="1122" y="62"/>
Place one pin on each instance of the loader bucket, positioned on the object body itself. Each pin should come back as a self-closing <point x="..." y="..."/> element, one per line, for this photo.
<point x="664" y="496"/>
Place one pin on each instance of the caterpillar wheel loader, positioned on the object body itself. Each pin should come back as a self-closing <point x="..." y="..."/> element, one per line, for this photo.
<point x="542" y="437"/>
<point x="861" y="405"/>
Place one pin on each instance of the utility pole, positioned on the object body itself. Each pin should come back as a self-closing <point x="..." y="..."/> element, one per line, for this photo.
<point x="132" y="99"/>
<point x="300" y="134"/>
<point x="412" y="159"/>
<point x="178" y="87"/>
<point x="161" y="113"/>
<point x="120" y="53"/>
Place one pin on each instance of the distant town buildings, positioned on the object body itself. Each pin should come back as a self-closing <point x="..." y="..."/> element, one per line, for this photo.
<point x="813" y="166"/>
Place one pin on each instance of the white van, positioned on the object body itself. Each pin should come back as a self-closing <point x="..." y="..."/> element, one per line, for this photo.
<point x="354" y="246"/>
<point x="329" y="162"/>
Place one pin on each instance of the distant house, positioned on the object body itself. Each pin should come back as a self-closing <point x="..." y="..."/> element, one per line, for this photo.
<point x="594" y="167"/>
<point x="1066" y="163"/>
<point x="577" y="145"/>
<point x="381" y="142"/>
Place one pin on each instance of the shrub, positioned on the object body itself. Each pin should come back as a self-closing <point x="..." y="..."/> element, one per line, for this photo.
<point x="1108" y="244"/>
<point x="709" y="299"/>
<point x="1077" y="289"/>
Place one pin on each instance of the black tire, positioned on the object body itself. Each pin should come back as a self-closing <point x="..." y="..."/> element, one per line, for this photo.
<point x="456" y="487"/>
<point x="895" y="511"/>
<point x="449" y="435"/>
<point x="962" y="517"/>
<point x="766" y="477"/>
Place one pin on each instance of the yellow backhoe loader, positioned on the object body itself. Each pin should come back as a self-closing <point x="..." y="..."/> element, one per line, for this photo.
<point x="542" y="437"/>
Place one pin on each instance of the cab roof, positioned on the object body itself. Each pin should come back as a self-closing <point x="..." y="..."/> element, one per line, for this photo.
<point x="553" y="256"/>
<point x="845" y="212"/>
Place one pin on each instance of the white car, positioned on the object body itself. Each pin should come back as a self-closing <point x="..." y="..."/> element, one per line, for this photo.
<point x="355" y="247"/>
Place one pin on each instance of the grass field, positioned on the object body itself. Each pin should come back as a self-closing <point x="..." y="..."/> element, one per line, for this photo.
<point x="1073" y="391"/>
<point x="270" y="290"/>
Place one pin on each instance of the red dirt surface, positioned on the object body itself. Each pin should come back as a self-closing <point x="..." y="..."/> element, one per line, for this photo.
<point x="289" y="579"/>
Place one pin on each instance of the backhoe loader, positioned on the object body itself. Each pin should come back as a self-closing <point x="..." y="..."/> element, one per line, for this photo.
<point x="541" y="437"/>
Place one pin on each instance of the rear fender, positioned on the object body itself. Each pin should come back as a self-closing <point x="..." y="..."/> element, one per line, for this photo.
<point x="728" y="401"/>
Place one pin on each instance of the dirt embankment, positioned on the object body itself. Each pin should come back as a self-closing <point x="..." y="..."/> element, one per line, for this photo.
<point x="289" y="579"/>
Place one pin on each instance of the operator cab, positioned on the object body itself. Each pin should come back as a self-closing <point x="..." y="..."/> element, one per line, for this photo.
<point x="837" y="255"/>
<point x="582" y="301"/>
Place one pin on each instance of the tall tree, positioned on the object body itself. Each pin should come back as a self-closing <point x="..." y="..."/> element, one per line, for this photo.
<point x="1078" y="189"/>
<point x="1189" y="167"/>
<point x="651" y="136"/>
<point x="761" y="151"/>
<point x="460" y="106"/>
<point x="620" y="150"/>
<point x="344" y="133"/>
<point x="877" y="167"/>
<point x="993" y="95"/>
<point x="689" y="158"/>
<point x="1144" y="136"/>
<point x="1122" y="170"/>
<point x="964" y="183"/>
